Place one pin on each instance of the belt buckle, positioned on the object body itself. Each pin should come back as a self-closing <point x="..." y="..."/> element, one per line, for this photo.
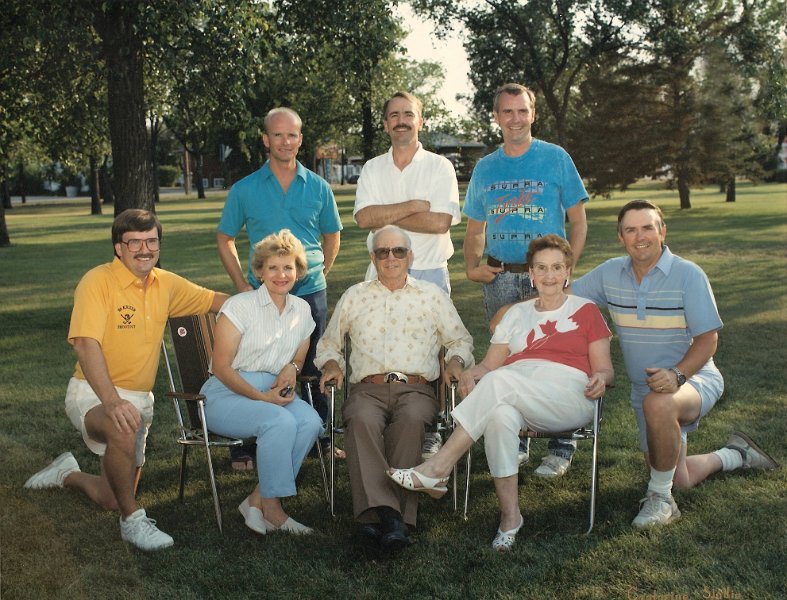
<point x="395" y="377"/>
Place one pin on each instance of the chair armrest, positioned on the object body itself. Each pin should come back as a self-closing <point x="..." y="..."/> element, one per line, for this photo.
<point x="184" y="396"/>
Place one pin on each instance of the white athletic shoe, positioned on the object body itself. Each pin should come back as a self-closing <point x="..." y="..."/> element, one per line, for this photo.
<point x="656" y="509"/>
<point x="139" y="530"/>
<point x="552" y="466"/>
<point x="55" y="474"/>
<point x="431" y="446"/>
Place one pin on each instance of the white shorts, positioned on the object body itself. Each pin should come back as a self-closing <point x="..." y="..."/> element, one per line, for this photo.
<point x="80" y="399"/>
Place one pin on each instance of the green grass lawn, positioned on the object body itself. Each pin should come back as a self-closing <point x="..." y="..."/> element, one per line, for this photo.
<point x="730" y="542"/>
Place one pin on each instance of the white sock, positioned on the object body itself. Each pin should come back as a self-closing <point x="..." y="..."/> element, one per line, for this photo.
<point x="730" y="458"/>
<point x="661" y="481"/>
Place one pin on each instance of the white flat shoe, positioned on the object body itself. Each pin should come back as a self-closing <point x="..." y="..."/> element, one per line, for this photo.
<point x="253" y="517"/>
<point x="435" y="487"/>
<point x="289" y="526"/>
<point x="504" y="540"/>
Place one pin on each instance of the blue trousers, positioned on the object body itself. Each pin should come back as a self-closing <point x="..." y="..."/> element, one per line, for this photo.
<point x="285" y="434"/>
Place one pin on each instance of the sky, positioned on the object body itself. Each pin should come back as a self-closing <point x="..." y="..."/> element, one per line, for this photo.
<point x="421" y="44"/>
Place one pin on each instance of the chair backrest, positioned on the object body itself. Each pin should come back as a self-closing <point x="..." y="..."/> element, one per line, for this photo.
<point x="192" y="342"/>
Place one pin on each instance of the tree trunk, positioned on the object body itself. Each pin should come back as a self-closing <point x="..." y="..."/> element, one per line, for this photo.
<point x="731" y="190"/>
<point x="186" y="171"/>
<point x="198" y="167"/>
<point x="5" y="191"/>
<point x="123" y="54"/>
<point x="684" y="193"/>
<point x="5" y="241"/>
<point x="367" y="120"/>
<point x="95" y="199"/>
<point x="155" y="128"/>
<point x="722" y="187"/>
<point x="105" y="186"/>
<point x="22" y="183"/>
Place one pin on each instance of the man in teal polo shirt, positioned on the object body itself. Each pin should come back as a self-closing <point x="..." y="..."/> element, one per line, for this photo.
<point x="285" y="194"/>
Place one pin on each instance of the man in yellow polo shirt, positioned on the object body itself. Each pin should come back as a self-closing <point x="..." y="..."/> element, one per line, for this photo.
<point x="117" y="324"/>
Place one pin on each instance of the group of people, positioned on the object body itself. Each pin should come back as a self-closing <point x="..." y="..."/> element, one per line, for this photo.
<point x="548" y="360"/>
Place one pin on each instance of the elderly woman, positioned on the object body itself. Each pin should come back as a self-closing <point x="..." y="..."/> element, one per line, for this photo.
<point x="261" y="340"/>
<point x="547" y="363"/>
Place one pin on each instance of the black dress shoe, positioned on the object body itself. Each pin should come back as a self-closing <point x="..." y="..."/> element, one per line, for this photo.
<point x="394" y="532"/>
<point x="370" y="534"/>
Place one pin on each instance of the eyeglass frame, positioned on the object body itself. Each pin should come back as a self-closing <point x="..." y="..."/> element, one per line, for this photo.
<point x="544" y="269"/>
<point x="141" y="242"/>
<point x="403" y="250"/>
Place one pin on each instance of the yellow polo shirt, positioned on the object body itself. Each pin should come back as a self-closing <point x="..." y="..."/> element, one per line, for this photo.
<point x="112" y="307"/>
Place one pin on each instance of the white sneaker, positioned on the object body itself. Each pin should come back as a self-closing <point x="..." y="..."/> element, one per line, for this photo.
<point x="55" y="474"/>
<point x="142" y="532"/>
<point x="656" y="509"/>
<point x="553" y="466"/>
<point x="523" y="452"/>
<point x="432" y="444"/>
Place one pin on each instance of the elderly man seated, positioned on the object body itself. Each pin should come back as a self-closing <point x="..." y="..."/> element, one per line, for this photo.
<point x="396" y="325"/>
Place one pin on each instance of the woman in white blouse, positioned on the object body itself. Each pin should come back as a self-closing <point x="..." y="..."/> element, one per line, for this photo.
<point x="261" y="340"/>
<point x="547" y="363"/>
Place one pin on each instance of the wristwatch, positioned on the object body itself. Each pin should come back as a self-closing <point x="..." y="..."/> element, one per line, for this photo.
<point x="681" y="376"/>
<point x="459" y="359"/>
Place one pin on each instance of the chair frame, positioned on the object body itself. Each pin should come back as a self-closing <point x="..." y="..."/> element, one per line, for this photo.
<point x="591" y="431"/>
<point x="197" y="431"/>
<point x="446" y="396"/>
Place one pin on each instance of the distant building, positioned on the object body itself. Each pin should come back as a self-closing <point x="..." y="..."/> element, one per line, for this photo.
<point x="463" y="154"/>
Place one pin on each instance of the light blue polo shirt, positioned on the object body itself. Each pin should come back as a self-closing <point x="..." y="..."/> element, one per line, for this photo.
<point x="523" y="197"/>
<point x="308" y="209"/>
<point x="656" y="319"/>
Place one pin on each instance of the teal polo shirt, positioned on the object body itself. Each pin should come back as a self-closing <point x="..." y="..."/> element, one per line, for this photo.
<point x="308" y="209"/>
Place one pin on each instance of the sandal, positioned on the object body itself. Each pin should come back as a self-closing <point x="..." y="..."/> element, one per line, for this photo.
<point x="435" y="487"/>
<point x="504" y="540"/>
<point x="242" y="462"/>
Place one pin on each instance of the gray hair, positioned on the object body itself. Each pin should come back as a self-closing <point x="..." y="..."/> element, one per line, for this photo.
<point x="371" y="241"/>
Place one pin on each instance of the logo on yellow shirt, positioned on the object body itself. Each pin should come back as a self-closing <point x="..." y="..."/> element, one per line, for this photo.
<point x="126" y="313"/>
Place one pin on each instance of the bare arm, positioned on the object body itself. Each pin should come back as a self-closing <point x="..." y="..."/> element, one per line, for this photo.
<point x="578" y="229"/>
<point x="431" y="222"/>
<point x="602" y="373"/>
<point x="225" y="348"/>
<point x="702" y="349"/>
<point x="473" y="247"/>
<point x="289" y="374"/>
<point x="91" y="358"/>
<point x="330" y="249"/>
<point x="379" y="215"/>
<point x="228" y="254"/>
<point x="495" y="357"/>
<point x="218" y="301"/>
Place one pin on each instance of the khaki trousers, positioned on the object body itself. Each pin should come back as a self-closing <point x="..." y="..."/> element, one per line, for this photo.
<point x="384" y="427"/>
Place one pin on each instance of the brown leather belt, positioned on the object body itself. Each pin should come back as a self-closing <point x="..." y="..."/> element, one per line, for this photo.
<point x="507" y="267"/>
<point x="395" y="377"/>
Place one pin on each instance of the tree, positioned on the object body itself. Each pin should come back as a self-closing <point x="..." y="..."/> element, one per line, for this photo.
<point x="211" y="67"/>
<point x="544" y="44"/>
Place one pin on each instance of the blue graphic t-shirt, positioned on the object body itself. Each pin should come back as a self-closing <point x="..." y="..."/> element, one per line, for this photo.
<point x="523" y="197"/>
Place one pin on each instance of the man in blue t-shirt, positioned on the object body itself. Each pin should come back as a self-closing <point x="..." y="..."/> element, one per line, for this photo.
<point x="283" y="194"/>
<point x="666" y="318"/>
<point x="521" y="191"/>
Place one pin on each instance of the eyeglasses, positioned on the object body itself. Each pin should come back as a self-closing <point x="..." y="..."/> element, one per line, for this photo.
<point x="542" y="269"/>
<point x="135" y="245"/>
<point x="398" y="252"/>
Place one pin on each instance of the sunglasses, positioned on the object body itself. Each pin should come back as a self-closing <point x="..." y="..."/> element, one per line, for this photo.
<point x="398" y="252"/>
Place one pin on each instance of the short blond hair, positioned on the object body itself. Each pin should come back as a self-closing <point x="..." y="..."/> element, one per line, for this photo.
<point x="283" y="243"/>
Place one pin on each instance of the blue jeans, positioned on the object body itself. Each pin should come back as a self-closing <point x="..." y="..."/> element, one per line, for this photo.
<point x="318" y="303"/>
<point x="507" y="288"/>
<point x="437" y="276"/>
<point x="284" y="434"/>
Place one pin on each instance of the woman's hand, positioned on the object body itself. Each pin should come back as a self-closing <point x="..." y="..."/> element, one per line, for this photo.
<point x="596" y="386"/>
<point x="274" y="395"/>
